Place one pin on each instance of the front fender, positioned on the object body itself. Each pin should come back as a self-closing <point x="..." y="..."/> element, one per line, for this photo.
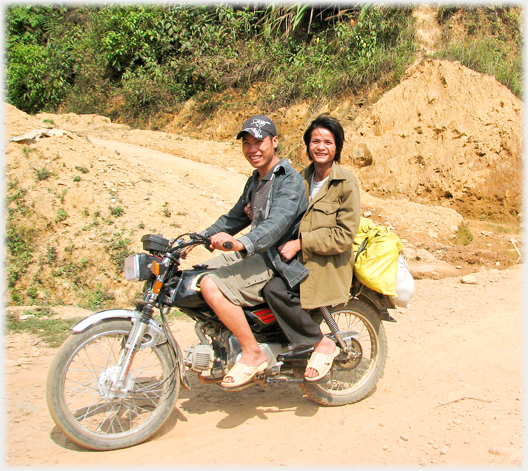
<point x="104" y="316"/>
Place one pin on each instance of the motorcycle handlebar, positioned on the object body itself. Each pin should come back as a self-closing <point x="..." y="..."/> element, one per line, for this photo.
<point x="201" y="239"/>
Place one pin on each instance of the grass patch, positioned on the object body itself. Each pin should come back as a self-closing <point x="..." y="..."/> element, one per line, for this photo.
<point x="463" y="235"/>
<point x="52" y="331"/>
<point x="99" y="298"/>
<point x="42" y="174"/>
<point x="492" y="43"/>
<point x="118" y="250"/>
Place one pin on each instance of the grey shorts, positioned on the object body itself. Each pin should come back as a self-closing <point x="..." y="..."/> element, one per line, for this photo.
<point x="240" y="280"/>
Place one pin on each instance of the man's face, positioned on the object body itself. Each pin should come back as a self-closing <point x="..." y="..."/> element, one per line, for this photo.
<point x="260" y="153"/>
<point x="322" y="146"/>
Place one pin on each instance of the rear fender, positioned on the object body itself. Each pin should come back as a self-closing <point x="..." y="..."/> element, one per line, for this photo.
<point x="380" y="302"/>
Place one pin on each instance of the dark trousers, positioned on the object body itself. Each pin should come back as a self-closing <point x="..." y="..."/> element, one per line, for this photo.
<point x="285" y="304"/>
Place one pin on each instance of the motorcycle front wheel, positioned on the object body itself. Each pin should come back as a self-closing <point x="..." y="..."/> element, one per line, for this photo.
<point x="354" y="379"/>
<point x="86" y="408"/>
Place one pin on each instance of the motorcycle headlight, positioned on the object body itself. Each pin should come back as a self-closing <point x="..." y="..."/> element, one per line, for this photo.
<point x="137" y="267"/>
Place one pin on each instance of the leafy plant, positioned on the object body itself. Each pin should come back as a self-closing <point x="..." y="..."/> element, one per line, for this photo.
<point x="492" y="45"/>
<point x="61" y="215"/>
<point x="42" y="174"/>
<point x="117" y="211"/>
<point x="40" y="65"/>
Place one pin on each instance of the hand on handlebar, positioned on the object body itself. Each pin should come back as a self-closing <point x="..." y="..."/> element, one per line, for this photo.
<point x="225" y="242"/>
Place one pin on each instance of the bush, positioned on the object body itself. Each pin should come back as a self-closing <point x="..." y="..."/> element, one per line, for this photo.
<point x="40" y="67"/>
<point x="134" y="61"/>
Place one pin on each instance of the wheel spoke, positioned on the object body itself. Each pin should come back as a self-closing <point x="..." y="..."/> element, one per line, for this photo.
<point x="348" y="377"/>
<point x="95" y="366"/>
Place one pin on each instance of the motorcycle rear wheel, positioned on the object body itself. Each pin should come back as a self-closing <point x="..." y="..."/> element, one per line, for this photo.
<point x="78" y="381"/>
<point x="355" y="380"/>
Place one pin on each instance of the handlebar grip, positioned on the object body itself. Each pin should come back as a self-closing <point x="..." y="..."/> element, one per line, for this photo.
<point x="228" y="245"/>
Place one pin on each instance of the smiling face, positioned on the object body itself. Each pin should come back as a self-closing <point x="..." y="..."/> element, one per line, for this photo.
<point x="322" y="147"/>
<point x="260" y="153"/>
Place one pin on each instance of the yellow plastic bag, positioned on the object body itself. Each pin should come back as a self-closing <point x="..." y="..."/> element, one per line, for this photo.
<point x="377" y="250"/>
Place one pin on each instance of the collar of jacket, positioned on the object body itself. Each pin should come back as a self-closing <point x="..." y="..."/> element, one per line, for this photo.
<point x="280" y="165"/>
<point x="336" y="173"/>
<point x="254" y="179"/>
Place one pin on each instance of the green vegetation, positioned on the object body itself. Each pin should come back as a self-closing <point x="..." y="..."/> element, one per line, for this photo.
<point x="38" y="322"/>
<point x="138" y="60"/>
<point x="61" y="215"/>
<point x="27" y="150"/>
<point x="19" y="238"/>
<point x="463" y="235"/>
<point x="99" y="298"/>
<point x="117" y="211"/>
<point x="165" y="211"/>
<point x="118" y="249"/>
<point x="492" y="42"/>
<point x="42" y="174"/>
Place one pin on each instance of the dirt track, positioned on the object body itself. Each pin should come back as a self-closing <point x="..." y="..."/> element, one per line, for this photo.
<point x="451" y="395"/>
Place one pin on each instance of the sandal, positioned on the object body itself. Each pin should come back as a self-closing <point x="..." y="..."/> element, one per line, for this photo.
<point x="321" y="363"/>
<point x="242" y="374"/>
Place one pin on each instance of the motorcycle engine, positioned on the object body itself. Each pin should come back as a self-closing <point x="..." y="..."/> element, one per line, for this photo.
<point x="212" y="359"/>
<point x="202" y="358"/>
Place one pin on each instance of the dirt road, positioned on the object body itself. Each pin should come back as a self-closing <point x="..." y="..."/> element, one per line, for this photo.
<point x="451" y="395"/>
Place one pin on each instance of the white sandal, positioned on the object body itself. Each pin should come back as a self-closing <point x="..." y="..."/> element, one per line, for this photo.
<point x="321" y="363"/>
<point x="242" y="374"/>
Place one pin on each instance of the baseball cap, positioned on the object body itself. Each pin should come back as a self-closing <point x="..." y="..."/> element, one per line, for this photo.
<point x="259" y="126"/>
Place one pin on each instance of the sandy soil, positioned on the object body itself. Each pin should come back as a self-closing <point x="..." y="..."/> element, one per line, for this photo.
<point x="451" y="395"/>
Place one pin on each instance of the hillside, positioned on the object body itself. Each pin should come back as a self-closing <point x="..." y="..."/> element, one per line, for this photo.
<point x="430" y="167"/>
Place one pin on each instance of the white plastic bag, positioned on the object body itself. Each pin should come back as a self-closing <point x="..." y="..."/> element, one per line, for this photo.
<point x="404" y="284"/>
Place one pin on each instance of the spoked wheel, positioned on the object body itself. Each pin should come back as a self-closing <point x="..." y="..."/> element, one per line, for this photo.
<point x="354" y="375"/>
<point x="82" y="398"/>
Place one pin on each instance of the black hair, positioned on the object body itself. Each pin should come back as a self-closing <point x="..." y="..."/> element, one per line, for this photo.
<point x="330" y="123"/>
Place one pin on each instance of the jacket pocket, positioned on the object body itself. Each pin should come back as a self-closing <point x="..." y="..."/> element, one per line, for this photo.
<point x="324" y="214"/>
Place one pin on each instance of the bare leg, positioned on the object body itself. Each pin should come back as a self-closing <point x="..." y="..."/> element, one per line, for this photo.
<point x="326" y="347"/>
<point x="234" y="319"/>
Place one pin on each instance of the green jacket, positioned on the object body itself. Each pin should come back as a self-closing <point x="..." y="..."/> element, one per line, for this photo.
<point x="327" y="232"/>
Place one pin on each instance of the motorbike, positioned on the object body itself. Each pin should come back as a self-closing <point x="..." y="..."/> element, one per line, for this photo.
<point x="114" y="382"/>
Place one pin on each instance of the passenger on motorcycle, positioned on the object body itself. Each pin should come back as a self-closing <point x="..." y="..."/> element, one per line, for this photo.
<point x="323" y="245"/>
<point x="275" y="191"/>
